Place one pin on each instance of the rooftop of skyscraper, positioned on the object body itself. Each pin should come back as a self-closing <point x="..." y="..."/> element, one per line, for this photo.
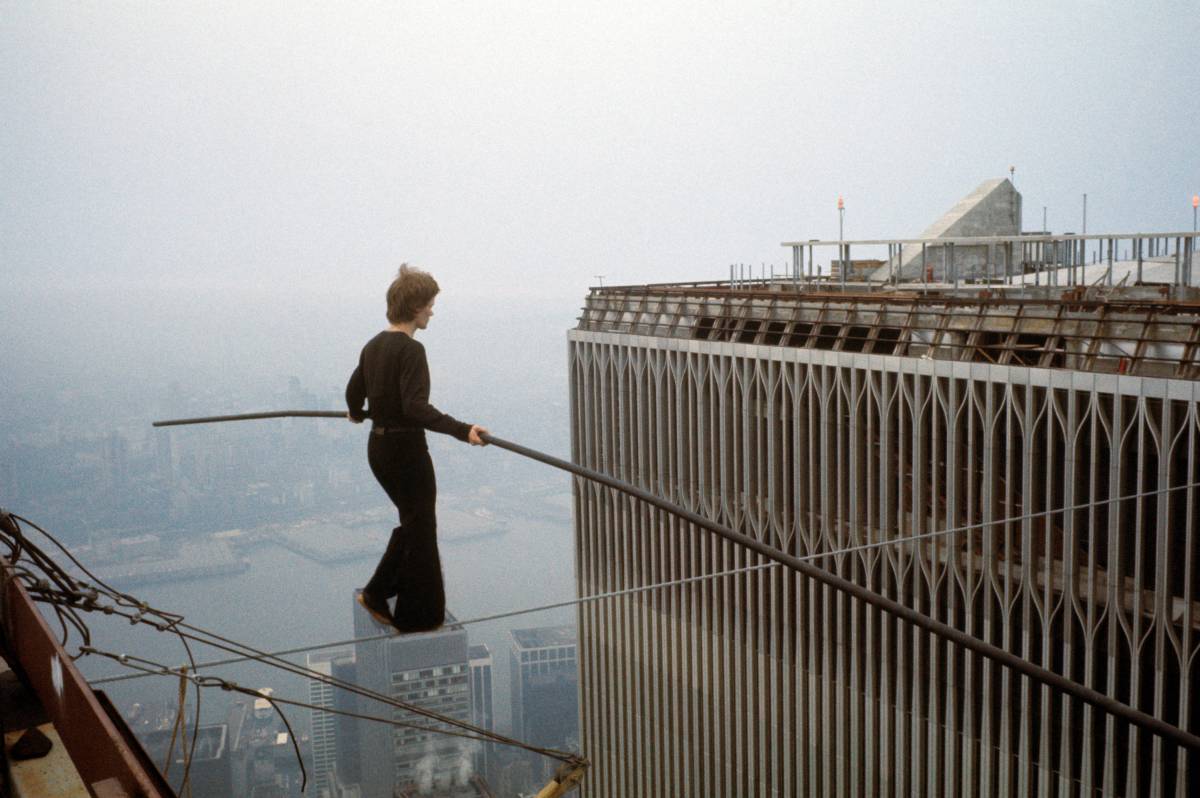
<point x="971" y="288"/>
<point x="544" y="636"/>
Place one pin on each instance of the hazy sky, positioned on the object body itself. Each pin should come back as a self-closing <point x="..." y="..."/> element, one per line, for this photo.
<point x="518" y="149"/>
<point x="221" y="192"/>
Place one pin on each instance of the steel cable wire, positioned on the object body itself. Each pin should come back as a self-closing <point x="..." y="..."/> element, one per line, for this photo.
<point x="208" y="638"/>
<point x="70" y="596"/>
<point x="671" y="583"/>
<point x="151" y="668"/>
<point x="995" y="653"/>
<point x="175" y="623"/>
<point x="691" y="579"/>
<point x="154" y="668"/>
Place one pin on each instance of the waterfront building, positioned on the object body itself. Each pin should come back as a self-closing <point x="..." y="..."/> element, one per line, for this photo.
<point x="827" y="418"/>
<point x="429" y="670"/>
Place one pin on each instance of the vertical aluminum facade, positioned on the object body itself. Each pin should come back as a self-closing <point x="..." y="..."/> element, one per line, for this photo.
<point x="324" y="727"/>
<point x="482" y="709"/>
<point x="763" y="683"/>
<point x="334" y="737"/>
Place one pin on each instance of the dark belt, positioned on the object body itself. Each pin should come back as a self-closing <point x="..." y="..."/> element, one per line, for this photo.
<point x="393" y="430"/>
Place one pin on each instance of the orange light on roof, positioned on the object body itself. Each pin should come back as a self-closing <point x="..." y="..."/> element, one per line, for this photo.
<point x="1195" y="200"/>
<point x="841" y="203"/>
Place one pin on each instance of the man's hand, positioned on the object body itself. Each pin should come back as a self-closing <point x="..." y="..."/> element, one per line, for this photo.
<point x="353" y="419"/>
<point x="474" y="438"/>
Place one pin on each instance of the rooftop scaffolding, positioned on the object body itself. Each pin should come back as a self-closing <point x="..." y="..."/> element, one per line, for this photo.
<point x="1125" y="331"/>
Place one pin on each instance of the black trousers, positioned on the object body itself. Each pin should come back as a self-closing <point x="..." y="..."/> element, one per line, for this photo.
<point x="410" y="570"/>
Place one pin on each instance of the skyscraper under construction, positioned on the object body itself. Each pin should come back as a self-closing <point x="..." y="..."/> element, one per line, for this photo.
<point x="998" y="429"/>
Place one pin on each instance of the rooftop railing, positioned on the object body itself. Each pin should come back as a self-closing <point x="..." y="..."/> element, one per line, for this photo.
<point x="1038" y="258"/>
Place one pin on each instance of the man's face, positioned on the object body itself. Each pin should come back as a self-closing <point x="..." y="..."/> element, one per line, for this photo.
<point x="424" y="315"/>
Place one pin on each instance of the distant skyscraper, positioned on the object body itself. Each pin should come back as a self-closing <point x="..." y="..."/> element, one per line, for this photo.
<point x="481" y="701"/>
<point x="430" y="671"/>
<point x="116" y="458"/>
<point x="544" y="678"/>
<point x="324" y="728"/>
<point x="334" y="737"/>
<point x="818" y="419"/>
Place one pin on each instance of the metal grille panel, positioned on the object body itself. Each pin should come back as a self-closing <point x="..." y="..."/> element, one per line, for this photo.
<point x="764" y="683"/>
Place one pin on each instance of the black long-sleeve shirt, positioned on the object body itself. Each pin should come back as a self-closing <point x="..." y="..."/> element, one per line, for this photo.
<point x="393" y="378"/>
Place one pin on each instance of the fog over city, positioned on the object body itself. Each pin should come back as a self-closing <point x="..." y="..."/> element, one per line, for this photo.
<point x="203" y="204"/>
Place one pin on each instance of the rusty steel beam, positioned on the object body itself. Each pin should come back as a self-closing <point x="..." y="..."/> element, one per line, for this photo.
<point x="97" y="746"/>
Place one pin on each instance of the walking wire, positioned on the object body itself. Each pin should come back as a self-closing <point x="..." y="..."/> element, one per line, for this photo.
<point x="83" y="596"/>
<point x="1037" y="673"/>
<point x="683" y="580"/>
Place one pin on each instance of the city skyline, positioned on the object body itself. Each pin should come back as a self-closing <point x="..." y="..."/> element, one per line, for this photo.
<point x="203" y="207"/>
<point x="118" y="461"/>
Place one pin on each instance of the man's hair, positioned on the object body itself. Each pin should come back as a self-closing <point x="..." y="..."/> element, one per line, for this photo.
<point x="412" y="290"/>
